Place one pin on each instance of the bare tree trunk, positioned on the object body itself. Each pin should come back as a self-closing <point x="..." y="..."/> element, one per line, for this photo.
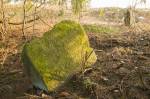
<point x="24" y="19"/>
<point x="130" y="17"/>
<point x="34" y="13"/>
<point x="80" y="15"/>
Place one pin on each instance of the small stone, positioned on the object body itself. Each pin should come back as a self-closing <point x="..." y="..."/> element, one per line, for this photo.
<point x="136" y="67"/>
<point x="142" y="39"/>
<point x="122" y="61"/>
<point x="46" y="96"/>
<point x="104" y="78"/>
<point x="116" y="91"/>
<point x="64" y="94"/>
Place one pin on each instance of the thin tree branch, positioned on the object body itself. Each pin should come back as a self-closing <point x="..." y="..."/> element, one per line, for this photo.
<point x="35" y="10"/>
<point x="19" y="23"/>
<point x="24" y="18"/>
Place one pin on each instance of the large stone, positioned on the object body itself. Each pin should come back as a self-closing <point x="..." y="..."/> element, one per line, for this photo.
<point x="49" y="60"/>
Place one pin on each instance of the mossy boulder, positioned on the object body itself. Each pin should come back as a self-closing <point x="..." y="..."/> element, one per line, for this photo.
<point x="49" y="60"/>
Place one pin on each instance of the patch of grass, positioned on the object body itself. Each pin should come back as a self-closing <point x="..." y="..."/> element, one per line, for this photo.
<point x="100" y="29"/>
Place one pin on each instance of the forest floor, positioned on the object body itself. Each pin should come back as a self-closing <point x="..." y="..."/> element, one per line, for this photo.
<point x="122" y="70"/>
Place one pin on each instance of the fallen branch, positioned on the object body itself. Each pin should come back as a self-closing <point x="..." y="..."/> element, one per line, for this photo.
<point x="33" y="96"/>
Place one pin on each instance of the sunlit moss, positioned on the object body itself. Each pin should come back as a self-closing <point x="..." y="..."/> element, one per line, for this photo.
<point x="51" y="59"/>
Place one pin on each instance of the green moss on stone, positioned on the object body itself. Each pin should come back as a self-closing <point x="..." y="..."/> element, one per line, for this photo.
<point x="51" y="59"/>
